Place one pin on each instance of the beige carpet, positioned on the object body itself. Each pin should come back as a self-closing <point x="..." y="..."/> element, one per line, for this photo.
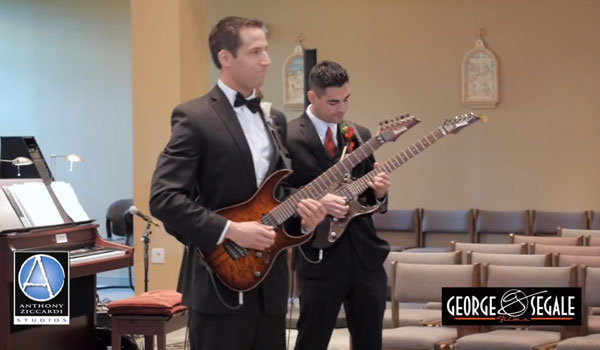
<point x="339" y="340"/>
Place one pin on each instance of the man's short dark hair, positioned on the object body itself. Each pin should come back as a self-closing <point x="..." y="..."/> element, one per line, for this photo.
<point x="327" y="74"/>
<point x="226" y="35"/>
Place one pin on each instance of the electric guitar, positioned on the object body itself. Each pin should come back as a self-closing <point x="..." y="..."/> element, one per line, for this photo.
<point x="242" y="269"/>
<point x="350" y="189"/>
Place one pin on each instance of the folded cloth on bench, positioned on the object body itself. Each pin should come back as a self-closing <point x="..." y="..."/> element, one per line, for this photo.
<point x="156" y="302"/>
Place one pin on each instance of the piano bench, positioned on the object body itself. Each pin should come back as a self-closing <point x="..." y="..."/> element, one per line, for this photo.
<point x="151" y="313"/>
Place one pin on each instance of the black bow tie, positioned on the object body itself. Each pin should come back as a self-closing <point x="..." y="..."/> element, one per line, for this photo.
<point x="253" y="104"/>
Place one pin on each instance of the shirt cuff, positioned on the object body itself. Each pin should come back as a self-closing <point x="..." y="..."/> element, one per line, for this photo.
<point x="303" y="231"/>
<point x="222" y="237"/>
<point x="379" y="201"/>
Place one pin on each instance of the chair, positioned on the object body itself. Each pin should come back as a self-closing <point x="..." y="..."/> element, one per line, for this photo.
<point x="588" y="342"/>
<point x="594" y="220"/>
<point x="494" y="226"/>
<point x="546" y="240"/>
<point x="409" y="257"/>
<point x="591" y="300"/>
<point x="568" y="260"/>
<point x="119" y="222"/>
<point x="565" y="249"/>
<point x="439" y="227"/>
<point x="581" y="261"/>
<point x="422" y="283"/>
<point x="510" y="259"/>
<point x="400" y="228"/>
<point x="590" y="237"/>
<point x="416" y="316"/>
<point x="545" y="223"/>
<point x="488" y="248"/>
<point x="522" y="276"/>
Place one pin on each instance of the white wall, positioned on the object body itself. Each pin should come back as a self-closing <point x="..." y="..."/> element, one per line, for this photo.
<point x="65" y="78"/>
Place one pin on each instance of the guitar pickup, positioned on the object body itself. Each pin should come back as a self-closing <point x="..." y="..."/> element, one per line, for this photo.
<point x="235" y="251"/>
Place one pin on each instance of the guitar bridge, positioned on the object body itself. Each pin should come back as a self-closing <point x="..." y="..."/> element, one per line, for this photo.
<point x="234" y="250"/>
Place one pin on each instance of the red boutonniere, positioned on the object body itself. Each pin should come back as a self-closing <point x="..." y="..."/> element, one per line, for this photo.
<point x="348" y="132"/>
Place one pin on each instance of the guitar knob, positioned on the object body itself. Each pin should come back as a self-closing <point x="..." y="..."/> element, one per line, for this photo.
<point x="257" y="273"/>
<point x="258" y="254"/>
<point x="333" y="234"/>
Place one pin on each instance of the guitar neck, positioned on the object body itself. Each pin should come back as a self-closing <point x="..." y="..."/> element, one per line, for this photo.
<point x="320" y="186"/>
<point x="360" y="185"/>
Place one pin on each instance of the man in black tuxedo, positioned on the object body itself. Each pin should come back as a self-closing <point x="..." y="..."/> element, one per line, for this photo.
<point x="220" y="151"/>
<point x="351" y="271"/>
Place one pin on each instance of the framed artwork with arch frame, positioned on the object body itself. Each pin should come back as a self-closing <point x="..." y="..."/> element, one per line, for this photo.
<point x="480" y="76"/>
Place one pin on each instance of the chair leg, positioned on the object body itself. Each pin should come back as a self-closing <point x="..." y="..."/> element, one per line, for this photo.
<point x="115" y="335"/>
<point x="161" y="339"/>
<point x="149" y="342"/>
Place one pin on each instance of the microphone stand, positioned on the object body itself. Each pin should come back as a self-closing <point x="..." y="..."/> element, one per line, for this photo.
<point x="146" y="241"/>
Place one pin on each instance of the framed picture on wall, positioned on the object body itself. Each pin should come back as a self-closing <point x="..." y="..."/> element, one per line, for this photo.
<point x="293" y="78"/>
<point x="480" y="76"/>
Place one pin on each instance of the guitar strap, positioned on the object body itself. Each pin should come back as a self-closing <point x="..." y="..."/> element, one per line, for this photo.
<point x="266" y="111"/>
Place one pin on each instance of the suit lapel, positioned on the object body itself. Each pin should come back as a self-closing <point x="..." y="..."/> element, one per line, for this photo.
<point x="311" y="136"/>
<point x="224" y="110"/>
<point x="272" y="127"/>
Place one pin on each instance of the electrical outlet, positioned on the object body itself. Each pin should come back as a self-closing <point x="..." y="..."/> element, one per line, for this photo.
<point x="158" y="255"/>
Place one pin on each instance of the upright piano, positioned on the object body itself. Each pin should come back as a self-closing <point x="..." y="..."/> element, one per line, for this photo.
<point x="89" y="255"/>
<point x="102" y="256"/>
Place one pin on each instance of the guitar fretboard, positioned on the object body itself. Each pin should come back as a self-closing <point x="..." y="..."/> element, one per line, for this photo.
<point x="360" y="185"/>
<point x="319" y="186"/>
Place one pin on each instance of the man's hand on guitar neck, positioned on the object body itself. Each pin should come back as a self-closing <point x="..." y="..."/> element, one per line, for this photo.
<point x="335" y="205"/>
<point x="312" y="213"/>
<point x="380" y="183"/>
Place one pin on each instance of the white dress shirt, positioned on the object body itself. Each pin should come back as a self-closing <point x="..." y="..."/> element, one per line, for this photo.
<point x="255" y="132"/>
<point x="322" y="126"/>
<point x="257" y="136"/>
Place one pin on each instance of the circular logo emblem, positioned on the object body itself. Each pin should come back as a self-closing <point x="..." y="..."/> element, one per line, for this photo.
<point x="513" y="303"/>
<point x="41" y="277"/>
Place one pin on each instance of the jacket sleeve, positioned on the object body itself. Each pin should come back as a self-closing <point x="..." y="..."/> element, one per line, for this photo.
<point x="174" y="198"/>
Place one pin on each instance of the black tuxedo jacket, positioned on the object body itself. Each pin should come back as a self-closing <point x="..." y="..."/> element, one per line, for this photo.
<point x="207" y="165"/>
<point x="309" y="160"/>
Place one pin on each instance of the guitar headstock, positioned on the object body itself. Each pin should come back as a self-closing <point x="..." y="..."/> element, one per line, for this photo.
<point x="391" y="129"/>
<point x="457" y="123"/>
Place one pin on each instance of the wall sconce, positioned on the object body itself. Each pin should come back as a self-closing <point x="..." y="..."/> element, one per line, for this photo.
<point x="71" y="158"/>
<point x="18" y="162"/>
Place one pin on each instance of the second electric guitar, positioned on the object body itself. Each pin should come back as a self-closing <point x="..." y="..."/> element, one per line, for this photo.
<point x="350" y="189"/>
